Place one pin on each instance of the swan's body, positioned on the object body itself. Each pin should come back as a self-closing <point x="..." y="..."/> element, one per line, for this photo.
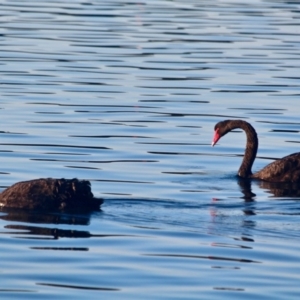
<point x="50" y="194"/>
<point x="286" y="169"/>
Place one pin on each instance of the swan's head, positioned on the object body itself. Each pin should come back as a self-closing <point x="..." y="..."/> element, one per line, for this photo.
<point x="220" y="130"/>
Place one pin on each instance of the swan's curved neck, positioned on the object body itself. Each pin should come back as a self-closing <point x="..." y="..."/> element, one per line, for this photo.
<point x="251" y="147"/>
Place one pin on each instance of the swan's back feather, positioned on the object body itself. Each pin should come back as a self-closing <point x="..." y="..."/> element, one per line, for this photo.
<point x="286" y="169"/>
<point x="50" y="194"/>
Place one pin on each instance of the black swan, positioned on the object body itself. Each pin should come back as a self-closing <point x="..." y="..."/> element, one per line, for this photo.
<point x="50" y="194"/>
<point x="286" y="169"/>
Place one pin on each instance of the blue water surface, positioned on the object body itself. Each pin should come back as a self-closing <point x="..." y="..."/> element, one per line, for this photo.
<point x="126" y="94"/>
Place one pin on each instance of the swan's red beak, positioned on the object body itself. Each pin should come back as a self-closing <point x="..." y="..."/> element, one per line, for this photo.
<point x="216" y="137"/>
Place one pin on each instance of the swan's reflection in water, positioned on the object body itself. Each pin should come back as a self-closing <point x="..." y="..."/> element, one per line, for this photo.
<point x="281" y="189"/>
<point x="245" y="186"/>
<point x="42" y="217"/>
<point x="33" y="217"/>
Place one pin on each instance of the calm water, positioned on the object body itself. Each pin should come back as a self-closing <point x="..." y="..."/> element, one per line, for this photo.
<point x="126" y="94"/>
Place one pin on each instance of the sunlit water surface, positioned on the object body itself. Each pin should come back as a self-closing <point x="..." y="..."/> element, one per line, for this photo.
<point x="126" y="94"/>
